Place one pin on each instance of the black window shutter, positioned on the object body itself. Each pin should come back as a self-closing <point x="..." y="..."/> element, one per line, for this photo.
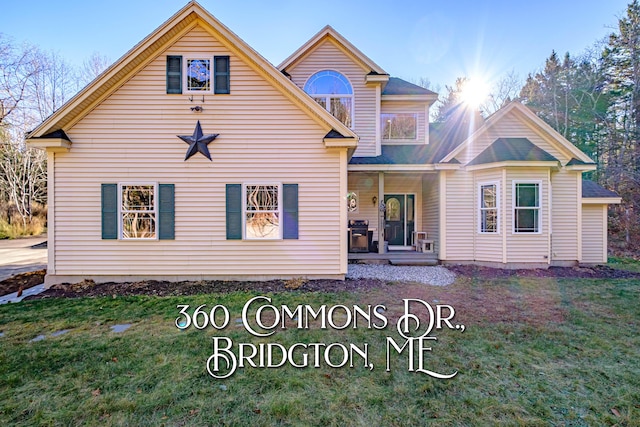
<point x="166" y="211"/>
<point x="174" y="74"/>
<point x="234" y="211"/>
<point x="290" y="211"/>
<point x="221" y="75"/>
<point x="109" y="199"/>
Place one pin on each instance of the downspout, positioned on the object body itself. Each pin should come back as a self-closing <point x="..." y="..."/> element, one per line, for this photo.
<point x="550" y="235"/>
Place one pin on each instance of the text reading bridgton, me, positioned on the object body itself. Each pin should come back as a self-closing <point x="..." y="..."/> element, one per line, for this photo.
<point x="262" y="319"/>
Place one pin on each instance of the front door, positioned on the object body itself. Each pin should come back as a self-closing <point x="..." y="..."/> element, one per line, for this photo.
<point x="399" y="218"/>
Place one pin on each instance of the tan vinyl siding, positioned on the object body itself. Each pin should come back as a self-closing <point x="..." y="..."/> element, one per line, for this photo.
<point x="327" y="56"/>
<point x="487" y="246"/>
<point x="528" y="247"/>
<point x="406" y="107"/>
<point x="510" y="126"/>
<point x="459" y="216"/>
<point x="594" y="239"/>
<point x="264" y="138"/>
<point x="430" y="208"/>
<point x="564" y="205"/>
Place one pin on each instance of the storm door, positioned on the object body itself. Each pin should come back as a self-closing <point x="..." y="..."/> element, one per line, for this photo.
<point x="399" y="218"/>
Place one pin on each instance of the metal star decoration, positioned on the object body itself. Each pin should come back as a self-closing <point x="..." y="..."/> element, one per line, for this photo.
<point x="198" y="142"/>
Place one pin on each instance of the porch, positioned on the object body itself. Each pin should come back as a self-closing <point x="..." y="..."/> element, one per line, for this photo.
<point x="401" y="208"/>
<point x="395" y="258"/>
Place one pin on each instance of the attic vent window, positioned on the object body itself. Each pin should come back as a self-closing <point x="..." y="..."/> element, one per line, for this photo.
<point x="333" y="91"/>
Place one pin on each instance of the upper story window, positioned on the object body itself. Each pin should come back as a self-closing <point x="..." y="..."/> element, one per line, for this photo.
<point x="198" y="74"/>
<point x="399" y="126"/>
<point x="333" y="91"/>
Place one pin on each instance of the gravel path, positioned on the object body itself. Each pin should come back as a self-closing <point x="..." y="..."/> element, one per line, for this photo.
<point x="436" y="276"/>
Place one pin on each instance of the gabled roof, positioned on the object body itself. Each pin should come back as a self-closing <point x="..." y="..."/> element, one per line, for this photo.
<point x="512" y="149"/>
<point x="396" y="86"/>
<point x="591" y="189"/>
<point x="329" y="33"/>
<point x="529" y="117"/>
<point x="140" y="55"/>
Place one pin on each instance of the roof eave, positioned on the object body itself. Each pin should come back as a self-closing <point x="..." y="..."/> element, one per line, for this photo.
<point x="415" y="98"/>
<point x="601" y="200"/>
<point x="447" y="166"/>
<point x="346" y="142"/>
<point x="56" y="145"/>
<point x="376" y="78"/>
<point x="514" y="163"/>
<point x="391" y="168"/>
<point x="583" y="167"/>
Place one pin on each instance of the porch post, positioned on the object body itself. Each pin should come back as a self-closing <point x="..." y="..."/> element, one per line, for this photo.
<point x="380" y="213"/>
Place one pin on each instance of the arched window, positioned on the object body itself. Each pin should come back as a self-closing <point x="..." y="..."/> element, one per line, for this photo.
<point x="333" y="91"/>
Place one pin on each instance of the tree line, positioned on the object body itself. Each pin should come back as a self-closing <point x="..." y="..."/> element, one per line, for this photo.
<point x="33" y="84"/>
<point x="593" y="100"/>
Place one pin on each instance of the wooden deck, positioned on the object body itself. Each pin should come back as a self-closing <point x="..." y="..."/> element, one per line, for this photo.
<point x="395" y="258"/>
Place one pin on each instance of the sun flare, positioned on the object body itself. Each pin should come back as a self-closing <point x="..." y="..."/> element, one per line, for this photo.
<point x="475" y="92"/>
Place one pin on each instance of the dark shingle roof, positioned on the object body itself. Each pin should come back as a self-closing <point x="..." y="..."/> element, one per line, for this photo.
<point x="56" y="134"/>
<point x="512" y="149"/>
<point x="399" y="155"/>
<point x="591" y="189"/>
<point x="396" y="86"/>
<point x="575" y="161"/>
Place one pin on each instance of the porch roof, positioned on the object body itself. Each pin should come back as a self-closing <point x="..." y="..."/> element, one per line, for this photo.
<point x="399" y="155"/>
<point x="396" y="86"/>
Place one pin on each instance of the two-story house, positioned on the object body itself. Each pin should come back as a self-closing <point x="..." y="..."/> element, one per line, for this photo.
<point x="193" y="157"/>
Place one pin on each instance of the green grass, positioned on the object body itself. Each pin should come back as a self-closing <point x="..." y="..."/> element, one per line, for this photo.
<point x="518" y="369"/>
<point x="623" y="263"/>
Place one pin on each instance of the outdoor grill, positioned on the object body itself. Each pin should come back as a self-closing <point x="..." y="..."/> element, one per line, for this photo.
<point x="358" y="240"/>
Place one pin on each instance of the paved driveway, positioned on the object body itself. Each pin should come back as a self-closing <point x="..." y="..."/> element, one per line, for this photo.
<point x="20" y="255"/>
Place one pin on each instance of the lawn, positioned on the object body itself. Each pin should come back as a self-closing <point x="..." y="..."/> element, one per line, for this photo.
<point x="535" y="351"/>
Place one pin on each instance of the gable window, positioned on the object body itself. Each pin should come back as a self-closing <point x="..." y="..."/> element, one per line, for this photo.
<point x="526" y="207"/>
<point x="138" y="211"/>
<point x="488" y="205"/>
<point x="198" y="74"/>
<point x="400" y="126"/>
<point x="333" y="91"/>
<point x="262" y="212"/>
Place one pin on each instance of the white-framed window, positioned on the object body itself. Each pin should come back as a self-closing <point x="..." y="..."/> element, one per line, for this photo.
<point x="197" y="74"/>
<point x="527" y="212"/>
<point x="489" y="207"/>
<point x="399" y="126"/>
<point x="333" y="91"/>
<point x="137" y="211"/>
<point x="262" y="207"/>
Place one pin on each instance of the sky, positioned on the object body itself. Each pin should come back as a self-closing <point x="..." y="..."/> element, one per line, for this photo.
<point x="434" y="39"/>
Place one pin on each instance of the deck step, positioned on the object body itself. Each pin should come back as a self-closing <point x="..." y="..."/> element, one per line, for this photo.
<point x="420" y="262"/>
<point x="395" y="258"/>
